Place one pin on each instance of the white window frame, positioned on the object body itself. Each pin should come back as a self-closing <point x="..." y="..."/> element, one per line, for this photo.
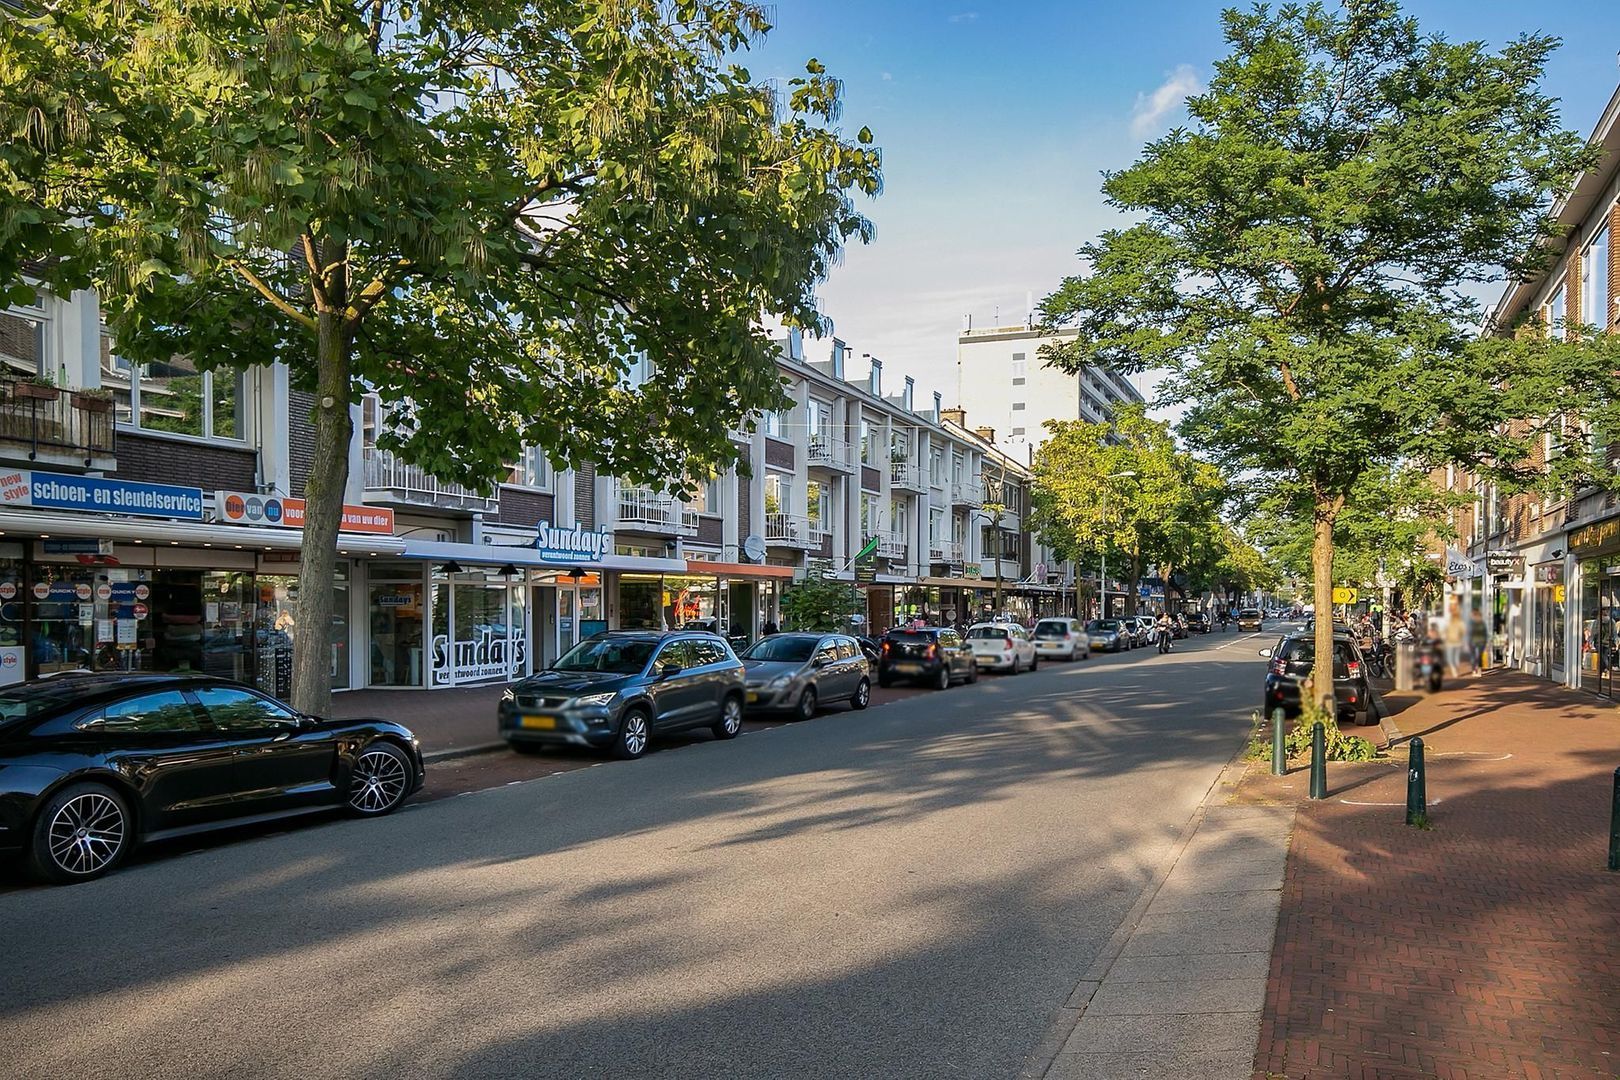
<point x="137" y="373"/>
<point x="1596" y="306"/>
<point x="1020" y="365"/>
<point x="534" y="471"/>
<point x="37" y="314"/>
<point x="1558" y="311"/>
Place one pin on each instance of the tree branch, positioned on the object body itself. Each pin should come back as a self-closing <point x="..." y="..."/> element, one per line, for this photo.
<point x="275" y="298"/>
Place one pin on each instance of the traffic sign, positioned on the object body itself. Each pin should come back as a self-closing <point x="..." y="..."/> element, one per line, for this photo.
<point x="1344" y="596"/>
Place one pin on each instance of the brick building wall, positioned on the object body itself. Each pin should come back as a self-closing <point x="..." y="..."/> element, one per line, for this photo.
<point x="300" y="439"/>
<point x="153" y="460"/>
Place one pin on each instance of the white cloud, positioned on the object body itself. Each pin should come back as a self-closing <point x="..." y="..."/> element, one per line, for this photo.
<point x="1151" y="109"/>
<point x="888" y="76"/>
<point x="963" y="17"/>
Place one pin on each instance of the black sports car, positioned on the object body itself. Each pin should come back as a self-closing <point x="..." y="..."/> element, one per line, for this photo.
<point x="91" y="765"/>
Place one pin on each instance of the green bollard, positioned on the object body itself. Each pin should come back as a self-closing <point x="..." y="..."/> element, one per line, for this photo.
<point x="1318" y="761"/>
<point x="1614" y="826"/>
<point x="1279" y="752"/>
<point x="1417" y="788"/>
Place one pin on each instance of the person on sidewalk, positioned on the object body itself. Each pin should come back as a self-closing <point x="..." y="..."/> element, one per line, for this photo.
<point x="1453" y="636"/>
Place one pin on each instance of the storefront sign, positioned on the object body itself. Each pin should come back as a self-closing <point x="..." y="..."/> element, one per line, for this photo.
<point x="571" y="545"/>
<point x="488" y="655"/>
<point x="1597" y="535"/>
<point x="245" y="508"/>
<point x="1504" y="563"/>
<point x="76" y="547"/>
<point x="59" y="491"/>
<point x="1459" y="565"/>
<point x="11" y="665"/>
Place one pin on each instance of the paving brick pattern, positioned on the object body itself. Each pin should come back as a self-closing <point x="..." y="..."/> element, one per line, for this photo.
<point x="1486" y="947"/>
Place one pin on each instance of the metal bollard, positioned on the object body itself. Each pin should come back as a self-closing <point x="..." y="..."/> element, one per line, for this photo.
<point x="1318" y="761"/>
<point x="1405" y="665"/>
<point x="1279" y="752"/>
<point x="1614" y="826"/>
<point x="1417" y="797"/>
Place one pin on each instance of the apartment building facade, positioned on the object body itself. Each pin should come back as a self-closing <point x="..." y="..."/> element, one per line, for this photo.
<point x="1538" y="578"/>
<point x="149" y="520"/>
<point x="1000" y="370"/>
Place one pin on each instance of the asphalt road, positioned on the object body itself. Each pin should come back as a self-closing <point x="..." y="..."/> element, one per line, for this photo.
<point x="908" y="891"/>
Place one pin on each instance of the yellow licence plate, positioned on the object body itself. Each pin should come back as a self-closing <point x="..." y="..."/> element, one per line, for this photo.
<point x="753" y="696"/>
<point x="539" y="723"/>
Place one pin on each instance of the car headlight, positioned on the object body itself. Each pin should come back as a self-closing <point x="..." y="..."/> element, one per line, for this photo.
<point x="508" y="696"/>
<point x="779" y="682"/>
<point x="597" y="699"/>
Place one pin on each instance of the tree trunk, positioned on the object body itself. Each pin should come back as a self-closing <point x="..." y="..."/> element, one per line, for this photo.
<point x="1326" y="513"/>
<point x="323" y="517"/>
<point x="1164" y="576"/>
<point x="1131" y="589"/>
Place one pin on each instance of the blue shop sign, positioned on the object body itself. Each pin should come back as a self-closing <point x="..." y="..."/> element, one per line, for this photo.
<point x="62" y="491"/>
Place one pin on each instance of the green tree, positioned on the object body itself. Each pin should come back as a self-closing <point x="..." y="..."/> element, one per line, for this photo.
<point x="482" y="210"/>
<point x="1305" y="247"/>
<point x="1123" y="489"/>
<point x="820" y="603"/>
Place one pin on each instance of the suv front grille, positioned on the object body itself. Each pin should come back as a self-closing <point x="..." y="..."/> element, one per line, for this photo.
<point x="540" y="701"/>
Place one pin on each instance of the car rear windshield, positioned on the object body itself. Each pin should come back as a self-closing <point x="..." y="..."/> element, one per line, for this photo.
<point x="1248" y="613"/>
<point x="783" y="649"/>
<point x="922" y="636"/>
<point x="37" y="699"/>
<point x="1303" y="650"/>
<point x="1051" y="629"/>
<point x="987" y="633"/>
<point x="608" y="654"/>
<point x="1105" y="625"/>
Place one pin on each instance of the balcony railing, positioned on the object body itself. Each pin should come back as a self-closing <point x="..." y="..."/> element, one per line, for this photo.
<point x="903" y="474"/>
<point x="390" y="480"/>
<point x="945" y="551"/>
<point x="57" y="425"/>
<point x="791" y="530"/>
<point x="967" y="493"/>
<point x="891" y="545"/>
<point x="654" y="511"/>
<point x="831" y="453"/>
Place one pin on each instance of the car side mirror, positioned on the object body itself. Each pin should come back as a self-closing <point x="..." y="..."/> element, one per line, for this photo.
<point x="1265" y="652"/>
<point x="667" y="670"/>
<point x="820" y="661"/>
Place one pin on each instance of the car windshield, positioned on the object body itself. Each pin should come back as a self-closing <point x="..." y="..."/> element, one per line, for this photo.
<point x="910" y="636"/>
<point x="783" y="649"/>
<point x="1051" y="629"/>
<point x="987" y="633"/>
<point x="36" y="699"/>
<point x="614" y="655"/>
<point x="1248" y="613"/>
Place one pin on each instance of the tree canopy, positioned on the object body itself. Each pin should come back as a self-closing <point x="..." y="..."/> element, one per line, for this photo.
<point x="482" y="210"/>
<point x="1305" y="249"/>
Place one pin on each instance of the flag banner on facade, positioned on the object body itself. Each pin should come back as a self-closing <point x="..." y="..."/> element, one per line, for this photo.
<point x="871" y="546"/>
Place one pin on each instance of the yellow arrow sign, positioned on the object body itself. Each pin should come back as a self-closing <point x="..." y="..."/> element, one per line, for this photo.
<point x="1344" y="596"/>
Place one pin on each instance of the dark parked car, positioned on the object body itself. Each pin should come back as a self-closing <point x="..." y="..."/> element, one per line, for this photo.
<point x="1110" y="635"/>
<point x="1291" y="661"/>
<point x="620" y="688"/>
<point x="798" y="672"/>
<point x="933" y="655"/>
<point x="91" y="765"/>
<point x="1197" y="622"/>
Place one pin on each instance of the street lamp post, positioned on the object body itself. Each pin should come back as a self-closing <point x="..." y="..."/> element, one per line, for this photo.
<point x="1102" y="577"/>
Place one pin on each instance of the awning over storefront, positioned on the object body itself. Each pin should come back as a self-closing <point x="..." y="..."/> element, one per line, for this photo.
<point x="500" y="555"/>
<point x="755" y="571"/>
<point x="24" y="522"/>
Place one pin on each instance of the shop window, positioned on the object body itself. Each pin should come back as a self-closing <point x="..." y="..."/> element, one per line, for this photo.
<point x="397" y="638"/>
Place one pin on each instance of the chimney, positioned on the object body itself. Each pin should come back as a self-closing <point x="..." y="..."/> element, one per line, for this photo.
<point x="967" y="323"/>
<point x="874" y="381"/>
<point x="953" y="416"/>
<point x="909" y="393"/>
<point x="939" y="401"/>
<point x="988" y="434"/>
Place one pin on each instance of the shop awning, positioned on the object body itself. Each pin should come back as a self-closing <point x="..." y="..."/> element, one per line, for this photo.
<point x="957" y="583"/>
<point x="21" y="523"/>
<point x="757" y="571"/>
<point x="500" y="555"/>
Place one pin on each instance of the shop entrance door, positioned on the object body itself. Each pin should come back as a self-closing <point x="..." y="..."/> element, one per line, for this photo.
<point x="1599" y="649"/>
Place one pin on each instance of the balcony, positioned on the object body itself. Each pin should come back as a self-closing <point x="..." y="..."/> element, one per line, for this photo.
<point x="791" y="530"/>
<point x="967" y="493"/>
<point x="392" y="482"/>
<point x="891" y="545"/>
<point x="641" y="510"/>
<point x="945" y="551"/>
<point x="906" y="476"/>
<point x="49" y="426"/>
<point x="826" y="453"/>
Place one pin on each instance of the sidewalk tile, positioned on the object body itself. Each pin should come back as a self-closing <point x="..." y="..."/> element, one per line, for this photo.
<point x="1118" y="997"/>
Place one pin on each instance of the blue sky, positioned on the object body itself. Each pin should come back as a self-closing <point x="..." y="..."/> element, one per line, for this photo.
<point x="997" y="119"/>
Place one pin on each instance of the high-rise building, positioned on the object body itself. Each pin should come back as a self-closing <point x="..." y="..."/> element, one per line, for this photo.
<point x="1002" y="381"/>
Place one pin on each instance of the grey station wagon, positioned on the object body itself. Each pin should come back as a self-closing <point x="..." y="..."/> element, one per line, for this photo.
<point x="619" y="690"/>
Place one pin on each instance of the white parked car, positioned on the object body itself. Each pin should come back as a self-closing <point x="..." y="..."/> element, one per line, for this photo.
<point x="1002" y="646"/>
<point x="1061" y="639"/>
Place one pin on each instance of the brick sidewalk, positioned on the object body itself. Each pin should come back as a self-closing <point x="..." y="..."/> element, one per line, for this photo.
<point x="1488" y="946"/>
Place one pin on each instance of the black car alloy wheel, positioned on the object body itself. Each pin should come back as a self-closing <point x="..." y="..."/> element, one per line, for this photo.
<point x="634" y="732"/>
<point x="81" y="834"/>
<point x="381" y="780"/>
